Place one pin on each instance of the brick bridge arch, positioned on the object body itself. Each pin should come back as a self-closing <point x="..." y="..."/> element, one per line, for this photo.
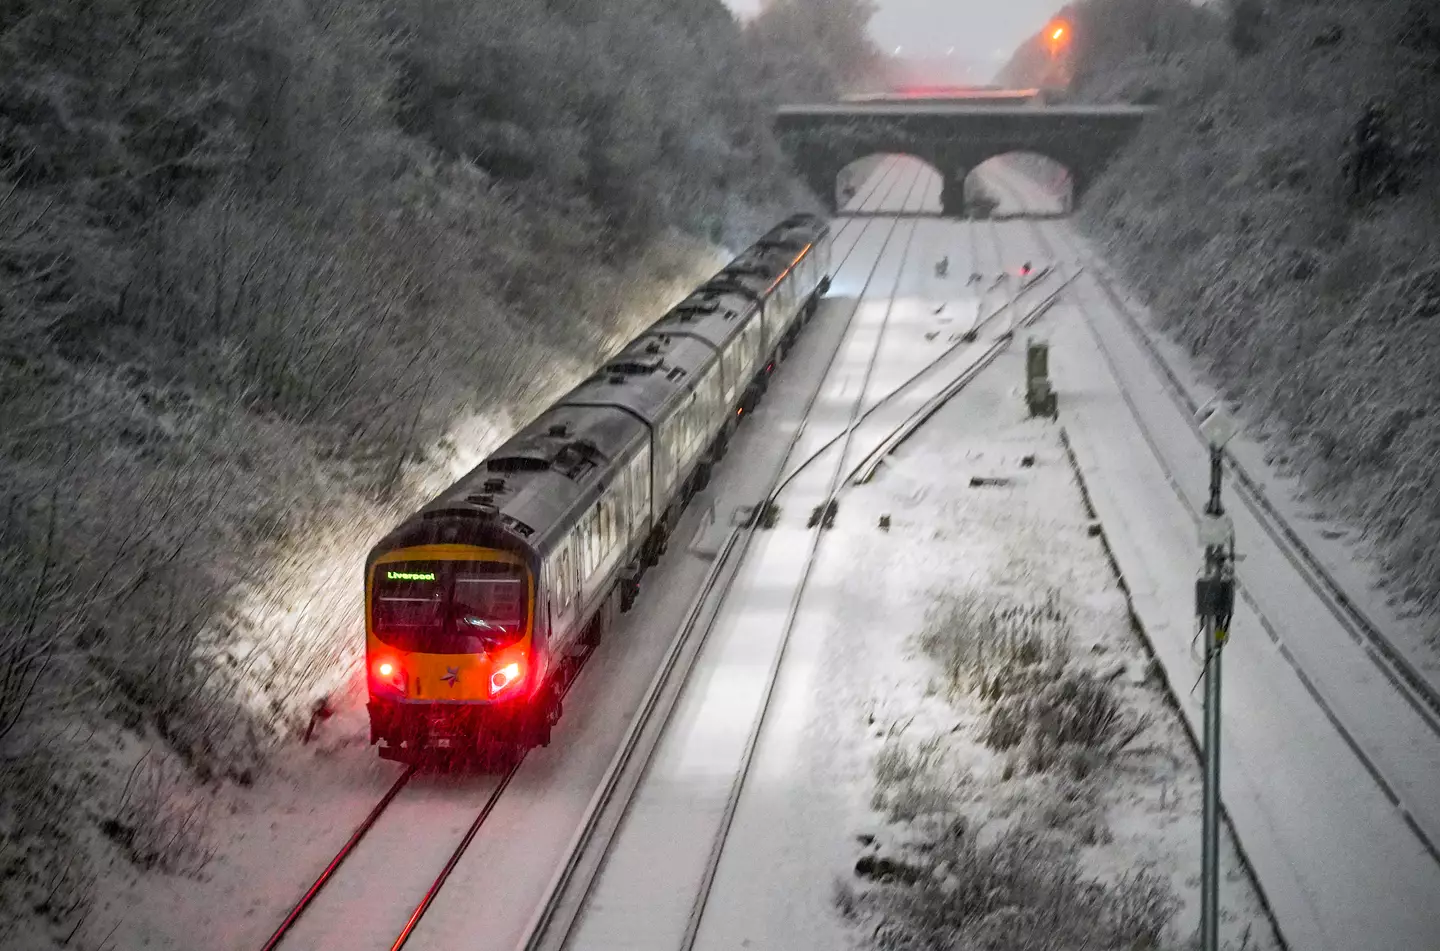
<point x="856" y="182"/>
<point x="953" y="139"/>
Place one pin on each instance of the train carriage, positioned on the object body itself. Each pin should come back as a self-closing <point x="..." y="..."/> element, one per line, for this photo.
<point x="477" y="599"/>
<point x="478" y="604"/>
<point x="729" y="322"/>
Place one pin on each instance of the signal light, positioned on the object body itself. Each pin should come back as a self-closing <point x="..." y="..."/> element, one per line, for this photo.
<point x="385" y="669"/>
<point x="506" y="676"/>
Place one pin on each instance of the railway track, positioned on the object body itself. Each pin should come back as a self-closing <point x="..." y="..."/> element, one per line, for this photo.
<point x="865" y="470"/>
<point x="346" y="850"/>
<point x="890" y="179"/>
<point x="833" y="485"/>
<point x="572" y="888"/>
<point x="1417" y="690"/>
<point x="279" y="936"/>
<point x="991" y="352"/>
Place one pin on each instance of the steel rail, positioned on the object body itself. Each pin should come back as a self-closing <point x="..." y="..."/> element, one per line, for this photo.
<point x="571" y="886"/>
<point x="365" y="825"/>
<point x="891" y="165"/>
<point x="944" y="354"/>
<point x="1419" y="691"/>
<point x="866" y="224"/>
<point x="457" y="853"/>
<point x="865" y="471"/>
<point x="722" y="832"/>
<point x="1182" y="399"/>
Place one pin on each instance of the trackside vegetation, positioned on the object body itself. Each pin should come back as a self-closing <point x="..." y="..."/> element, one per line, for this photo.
<point x="270" y="273"/>
<point x="1282" y="218"/>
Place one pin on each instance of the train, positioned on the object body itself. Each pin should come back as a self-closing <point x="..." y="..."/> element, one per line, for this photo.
<point x="482" y="603"/>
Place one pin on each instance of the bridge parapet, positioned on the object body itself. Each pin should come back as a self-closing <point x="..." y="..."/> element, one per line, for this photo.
<point x="823" y="139"/>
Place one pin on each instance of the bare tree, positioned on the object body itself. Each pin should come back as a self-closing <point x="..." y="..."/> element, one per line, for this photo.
<point x="815" y="49"/>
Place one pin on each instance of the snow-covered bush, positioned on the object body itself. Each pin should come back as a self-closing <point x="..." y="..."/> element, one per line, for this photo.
<point x="987" y="646"/>
<point x="1016" y="658"/>
<point x="269" y="274"/>
<point x="1235" y="213"/>
<point x="907" y="782"/>
<point x="1018" y="890"/>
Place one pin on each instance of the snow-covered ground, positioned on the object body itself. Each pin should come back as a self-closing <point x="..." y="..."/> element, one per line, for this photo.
<point x="660" y="856"/>
<point x="1335" y="857"/>
<point x="778" y="836"/>
<point x="1331" y="778"/>
<point x="270" y="841"/>
<point x="854" y="683"/>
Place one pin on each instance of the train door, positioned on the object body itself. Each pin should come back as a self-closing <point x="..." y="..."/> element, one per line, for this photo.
<point x="641" y="493"/>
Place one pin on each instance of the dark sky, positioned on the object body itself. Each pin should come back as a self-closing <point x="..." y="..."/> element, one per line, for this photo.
<point x="982" y="32"/>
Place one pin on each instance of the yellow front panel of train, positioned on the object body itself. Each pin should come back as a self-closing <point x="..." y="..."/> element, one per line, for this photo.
<point x="449" y="623"/>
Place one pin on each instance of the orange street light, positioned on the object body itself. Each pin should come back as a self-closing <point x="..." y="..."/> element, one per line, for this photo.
<point x="1057" y="34"/>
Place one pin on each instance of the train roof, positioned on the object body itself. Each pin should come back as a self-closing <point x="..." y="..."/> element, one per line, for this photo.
<point x="647" y="376"/>
<point x="521" y="494"/>
<point x="801" y="225"/>
<point x="712" y="314"/>
<point x="744" y="275"/>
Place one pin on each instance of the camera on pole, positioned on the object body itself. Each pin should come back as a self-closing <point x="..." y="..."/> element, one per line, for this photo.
<point x="1214" y="606"/>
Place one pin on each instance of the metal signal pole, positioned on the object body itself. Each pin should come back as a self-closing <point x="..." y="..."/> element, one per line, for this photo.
<point x="1214" y="605"/>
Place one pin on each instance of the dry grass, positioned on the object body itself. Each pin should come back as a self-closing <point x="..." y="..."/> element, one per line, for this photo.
<point x="1012" y="880"/>
<point x="1019" y="891"/>
<point x="41" y="853"/>
<point x="1015" y="658"/>
<point x="908" y="783"/>
<point x="980" y="643"/>
<point x="159" y="821"/>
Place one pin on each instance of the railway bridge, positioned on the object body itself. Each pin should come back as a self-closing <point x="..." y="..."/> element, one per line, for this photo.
<point x="952" y="137"/>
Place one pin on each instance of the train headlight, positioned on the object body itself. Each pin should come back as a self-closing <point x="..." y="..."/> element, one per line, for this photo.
<point x="505" y="678"/>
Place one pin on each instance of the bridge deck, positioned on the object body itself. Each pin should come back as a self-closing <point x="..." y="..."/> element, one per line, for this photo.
<point x="898" y="108"/>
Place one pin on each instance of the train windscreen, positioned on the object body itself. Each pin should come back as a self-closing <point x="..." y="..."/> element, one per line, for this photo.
<point x="449" y="607"/>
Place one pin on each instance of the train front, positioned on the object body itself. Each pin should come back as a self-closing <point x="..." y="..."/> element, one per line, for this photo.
<point x="450" y="659"/>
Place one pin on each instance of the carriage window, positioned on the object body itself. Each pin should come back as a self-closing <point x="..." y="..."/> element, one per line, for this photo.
<point x="409" y="599"/>
<point x="449" y="607"/>
<point x="592" y="542"/>
<point x="489" y="601"/>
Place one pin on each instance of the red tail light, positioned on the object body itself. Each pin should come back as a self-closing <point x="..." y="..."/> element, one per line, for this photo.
<point x="387" y="672"/>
